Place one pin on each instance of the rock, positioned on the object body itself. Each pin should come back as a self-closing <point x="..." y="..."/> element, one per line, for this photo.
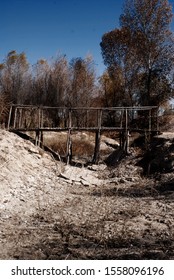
<point x="84" y="183"/>
<point x="83" y="175"/>
<point x="90" y="180"/>
<point x="99" y="167"/>
<point x="110" y="142"/>
<point x="115" y="157"/>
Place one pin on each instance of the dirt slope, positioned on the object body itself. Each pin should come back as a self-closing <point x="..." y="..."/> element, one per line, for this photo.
<point x="52" y="211"/>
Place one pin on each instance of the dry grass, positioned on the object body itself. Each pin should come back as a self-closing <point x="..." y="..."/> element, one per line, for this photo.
<point x="82" y="144"/>
<point x="57" y="142"/>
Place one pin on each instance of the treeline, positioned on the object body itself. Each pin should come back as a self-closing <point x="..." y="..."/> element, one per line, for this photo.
<point x="48" y="84"/>
<point x="140" y="55"/>
<point x="139" y="59"/>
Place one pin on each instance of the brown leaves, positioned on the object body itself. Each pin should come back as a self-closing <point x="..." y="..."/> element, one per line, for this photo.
<point x="142" y="47"/>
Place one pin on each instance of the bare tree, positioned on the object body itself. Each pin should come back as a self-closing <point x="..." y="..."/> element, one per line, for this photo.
<point x="82" y="82"/>
<point x="83" y="87"/>
<point x="40" y="82"/>
<point x="14" y="73"/>
<point x="59" y="83"/>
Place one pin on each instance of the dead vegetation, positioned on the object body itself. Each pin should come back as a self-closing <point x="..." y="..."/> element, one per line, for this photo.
<point x="4" y="109"/>
<point x="83" y="144"/>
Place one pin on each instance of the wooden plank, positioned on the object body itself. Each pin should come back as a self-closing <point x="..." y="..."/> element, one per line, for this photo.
<point x="136" y="108"/>
<point x="20" y="117"/>
<point x="69" y="141"/>
<point x="126" y="144"/>
<point x="81" y="129"/>
<point x="15" y="114"/>
<point x="96" y="155"/>
<point x="9" y="118"/>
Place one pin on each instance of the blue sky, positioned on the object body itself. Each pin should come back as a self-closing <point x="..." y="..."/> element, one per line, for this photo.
<point x="46" y="28"/>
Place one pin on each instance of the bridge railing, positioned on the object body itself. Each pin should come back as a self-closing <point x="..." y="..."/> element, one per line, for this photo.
<point x="23" y="117"/>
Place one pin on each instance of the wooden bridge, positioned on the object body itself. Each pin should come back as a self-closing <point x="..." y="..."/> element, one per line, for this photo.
<point x="122" y="120"/>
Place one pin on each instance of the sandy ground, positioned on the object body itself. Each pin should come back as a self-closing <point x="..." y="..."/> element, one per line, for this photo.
<point x="52" y="211"/>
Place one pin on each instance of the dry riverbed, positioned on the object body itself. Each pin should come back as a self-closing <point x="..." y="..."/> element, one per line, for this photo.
<point x="52" y="211"/>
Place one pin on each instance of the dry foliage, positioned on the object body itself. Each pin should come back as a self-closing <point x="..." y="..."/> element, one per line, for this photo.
<point x="4" y="109"/>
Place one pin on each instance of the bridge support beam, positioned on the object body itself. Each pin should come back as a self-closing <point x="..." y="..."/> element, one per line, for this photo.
<point x="69" y="148"/>
<point x="96" y="156"/>
<point x="69" y="141"/>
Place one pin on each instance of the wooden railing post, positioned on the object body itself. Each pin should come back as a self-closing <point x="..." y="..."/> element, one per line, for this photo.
<point x="9" y="117"/>
<point x="126" y="134"/>
<point x="15" y="115"/>
<point x="69" y="141"/>
<point x="20" y="117"/>
<point x="38" y="136"/>
<point x="97" y="138"/>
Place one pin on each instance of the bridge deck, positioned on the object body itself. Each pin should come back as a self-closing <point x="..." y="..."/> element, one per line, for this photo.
<point x="90" y="129"/>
